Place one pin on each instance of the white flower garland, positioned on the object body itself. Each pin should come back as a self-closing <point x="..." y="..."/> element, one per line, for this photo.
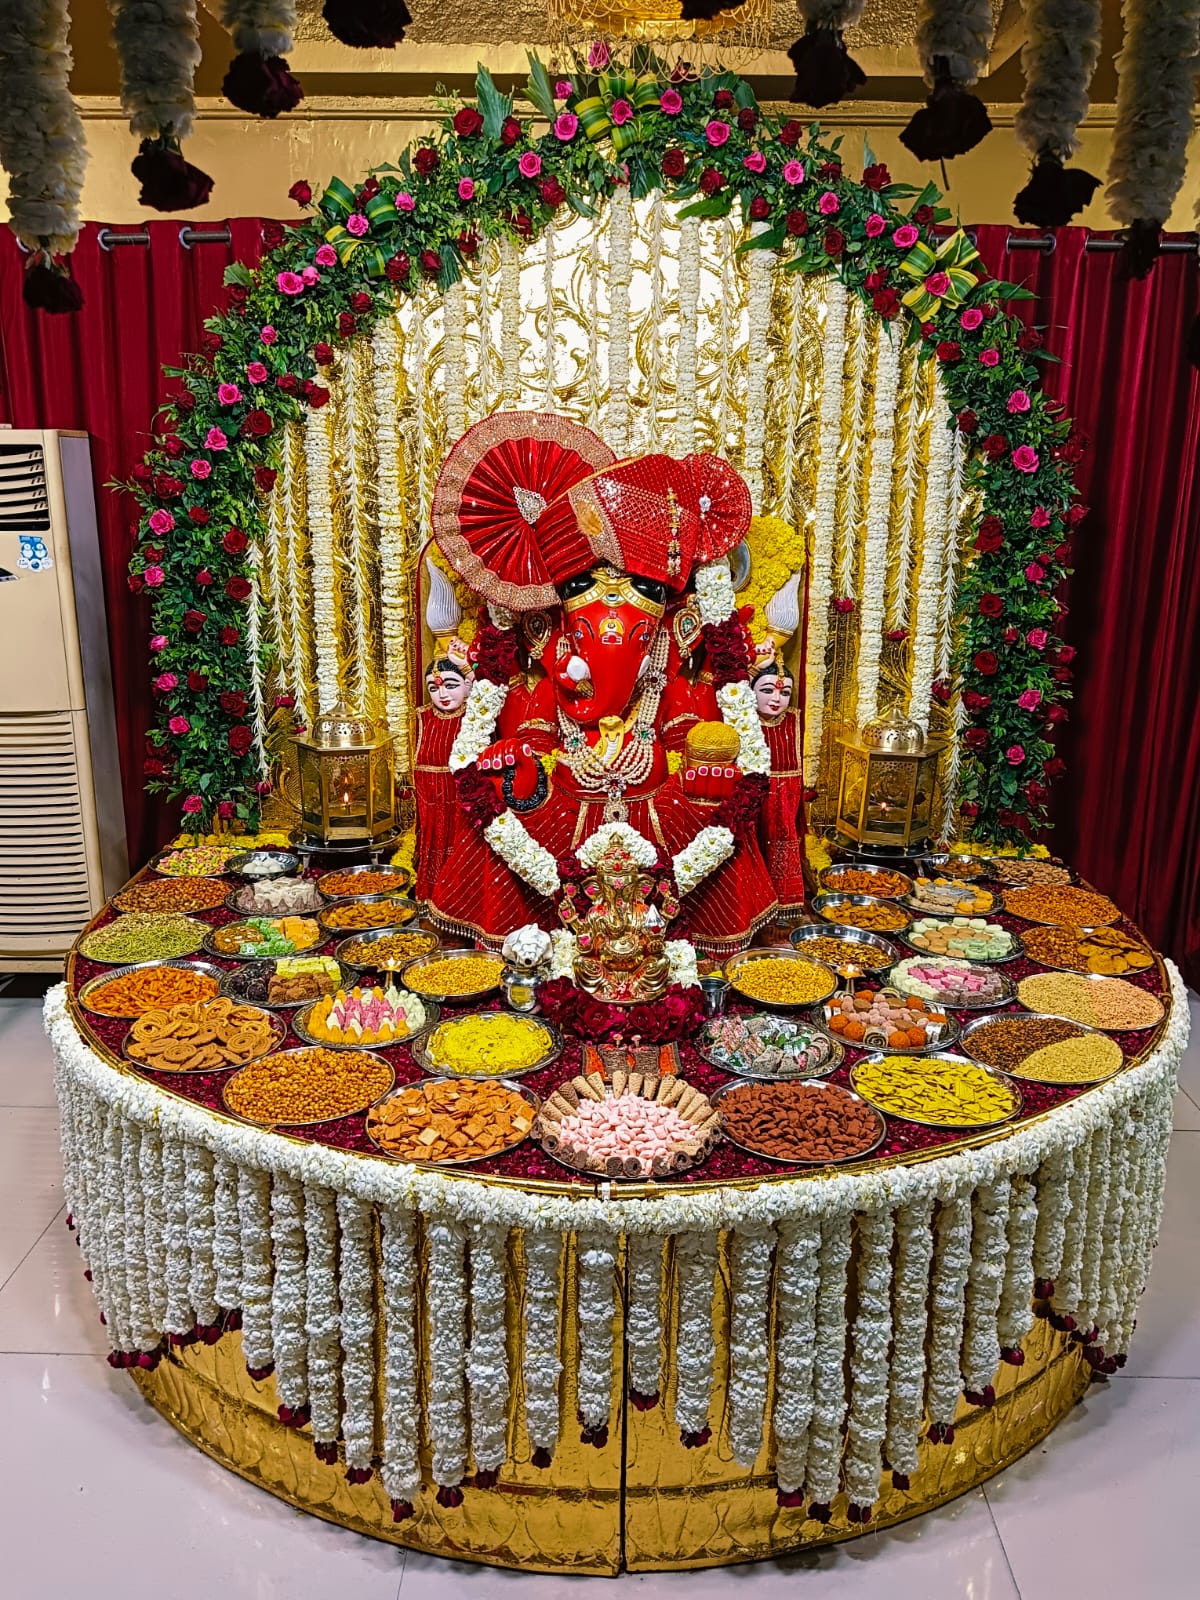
<point x="654" y="328"/>
<point x="749" y="1351"/>
<point x="267" y="26"/>
<point x="1058" y="58"/>
<point x="643" y="1315"/>
<point x="356" y="472"/>
<point x="739" y="710"/>
<point x="793" y="388"/>
<point x="541" y="1366"/>
<point x="950" y="558"/>
<point x="725" y="315"/>
<point x="550" y="337"/>
<point x="510" y="322"/>
<point x="446" y="1303"/>
<point x="321" y="1314"/>
<point x="42" y="144"/>
<point x="985" y="1283"/>
<point x="486" y="347"/>
<point x="852" y="470"/>
<point x="1108" y="1308"/>
<point x="695" y="1271"/>
<point x="707" y="851"/>
<point x="356" y="1282"/>
<point x="1053" y="1185"/>
<point x="91" y="1219"/>
<point x="592" y="381"/>
<point x="142" y="1333"/>
<point x="796" y="1281"/>
<point x="1068" y="1284"/>
<point x="1093" y="1238"/>
<point x="953" y="766"/>
<point x="820" y="580"/>
<point x="609" y="833"/>
<point x="394" y="587"/>
<point x="158" y="48"/>
<point x="913" y="382"/>
<point x="760" y="274"/>
<point x="829" y="1356"/>
<point x="866" y="1424"/>
<point x="120" y="1327"/>
<point x="150" y="1174"/>
<point x="289" y="1291"/>
<point x="929" y="577"/>
<point x="685" y="349"/>
<point x="318" y="462"/>
<point x="879" y="501"/>
<point x="400" y="1468"/>
<point x="179" y="1317"/>
<point x="681" y="963"/>
<point x="715" y="597"/>
<point x="227" y="1237"/>
<point x="254" y="1220"/>
<point x="293" y="568"/>
<point x="478" y="726"/>
<point x="620" y="269"/>
<point x="454" y="360"/>
<point x="563" y="950"/>
<point x="952" y="1262"/>
<point x="1014" y="1320"/>
<point x="522" y="854"/>
<point x="487" y="1356"/>
<point x="198" y="1196"/>
<point x="1156" y="91"/>
<point x="906" y="1388"/>
<point x="959" y="30"/>
<point x="595" y="1266"/>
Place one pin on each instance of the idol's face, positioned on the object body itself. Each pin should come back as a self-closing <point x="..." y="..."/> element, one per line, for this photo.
<point x="447" y="687"/>
<point x="610" y="624"/>
<point x="773" y="693"/>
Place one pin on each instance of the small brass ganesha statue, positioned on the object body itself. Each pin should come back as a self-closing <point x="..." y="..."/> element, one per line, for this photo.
<point x="621" y="936"/>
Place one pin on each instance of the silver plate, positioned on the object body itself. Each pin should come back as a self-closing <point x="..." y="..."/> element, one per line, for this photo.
<point x="1008" y="992"/>
<point x="421" y="1052"/>
<point x="944" y="861"/>
<point x="734" y="964"/>
<point x="1025" y="1017"/>
<point x="252" y="883"/>
<point x="373" y="936"/>
<point x="948" y="1037"/>
<point x="598" y="1176"/>
<point x="236" y="978"/>
<point x="309" y="1122"/>
<point x="174" y="849"/>
<point x="1015" y="949"/>
<point x="279" y="863"/>
<point x="1007" y="1083"/>
<point x="300" y="1025"/>
<point x="995" y="865"/>
<point x="797" y="1161"/>
<point x="910" y="904"/>
<point x="883" y="948"/>
<point x="402" y="875"/>
<point x="253" y="955"/>
<point x="115" y="961"/>
<point x="534" y="1104"/>
<point x="827" y="874"/>
<point x="278" y="1035"/>
<point x="1042" y="922"/>
<point x="367" y="900"/>
<point x="1100" y="977"/>
<point x="828" y="906"/>
<point x="1080" y="972"/>
<point x="418" y="962"/>
<point x="836" y="1056"/>
<point x="89" y="989"/>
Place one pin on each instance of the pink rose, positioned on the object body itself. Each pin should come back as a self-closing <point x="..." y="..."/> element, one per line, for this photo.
<point x="671" y="102"/>
<point x="1025" y="458"/>
<point x="466" y="189"/>
<point x="828" y="203"/>
<point x="622" y="112"/>
<point x="179" y="725"/>
<point x="201" y="469"/>
<point x="268" y="334"/>
<point x="599" y="56"/>
<point x="530" y="164"/>
<point x="310" y="275"/>
<point x="1029" y="699"/>
<point x="989" y="357"/>
<point x="905" y="237"/>
<point x="357" y="224"/>
<point x="193" y="804"/>
<point x="566" y="126"/>
<point x="290" y="283"/>
<point x="214" y="439"/>
<point x="793" y="172"/>
<point x="716" y="132"/>
<point x="1018" y="400"/>
<point x="405" y="201"/>
<point x="1034" y="573"/>
<point x="1039" y="517"/>
<point x="1015" y="754"/>
<point x="875" y="225"/>
<point x="154" y="577"/>
<point x="937" y="283"/>
<point x="256" y="372"/>
<point x="225" y="810"/>
<point x="158" y="642"/>
<point x="1036" y="638"/>
<point x="326" y="256"/>
<point x="755" y="161"/>
<point x="161" y="521"/>
<point x="228" y="394"/>
<point x="165" y="682"/>
<point x="971" y="318"/>
<point x="564" y="89"/>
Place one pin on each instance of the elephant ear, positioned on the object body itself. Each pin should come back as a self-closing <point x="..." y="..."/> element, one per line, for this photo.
<point x="721" y="499"/>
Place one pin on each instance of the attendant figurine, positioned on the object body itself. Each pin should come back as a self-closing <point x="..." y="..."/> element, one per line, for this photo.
<point x="448" y="680"/>
<point x="782" y="826"/>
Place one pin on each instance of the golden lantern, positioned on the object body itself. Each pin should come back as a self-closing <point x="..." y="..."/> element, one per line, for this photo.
<point x="344" y="776"/>
<point x="885" y="797"/>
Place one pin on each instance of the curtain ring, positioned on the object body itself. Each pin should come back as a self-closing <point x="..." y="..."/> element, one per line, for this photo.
<point x="184" y="240"/>
<point x="104" y="239"/>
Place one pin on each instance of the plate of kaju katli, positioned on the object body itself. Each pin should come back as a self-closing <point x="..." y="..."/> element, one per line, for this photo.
<point x="885" y="883"/>
<point x="630" y="1125"/>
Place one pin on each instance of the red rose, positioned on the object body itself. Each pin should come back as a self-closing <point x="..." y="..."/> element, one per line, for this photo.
<point x="397" y="268"/>
<point x="760" y="208"/>
<point x="196" y="681"/>
<point x="1031" y="339"/>
<point x="256" y="424"/>
<point x="876" y="177"/>
<point x="796" y="223"/>
<point x="300" y="193"/>
<point x="360" y="302"/>
<point x="1055" y="767"/>
<point x="986" y="663"/>
<point x="886" y="303"/>
<point x="991" y="529"/>
<point x="747" y="119"/>
<point x="368" y="191"/>
<point x="990" y="605"/>
<point x="467" y="122"/>
<point x="1061" y="674"/>
<point x="173" y="445"/>
<point x="949" y="351"/>
<point x="166" y="487"/>
<point x="233" y="702"/>
<point x="236" y="295"/>
<point x="831" y="171"/>
<point x="1062" y="553"/>
<point x="723" y="99"/>
<point x="141" y="473"/>
<point x="875" y="280"/>
<point x="974" y="701"/>
<point x="136" y="582"/>
<point x="790" y="133"/>
<point x="1056" y="714"/>
<point x="240" y="739"/>
<point x="522" y="223"/>
<point x="264" y="479"/>
<point x="204" y="578"/>
<point x="553" y="193"/>
<point x="237" y="588"/>
<point x="1076" y="513"/>
<point x="153" y="769"/>
<point x="287" y="382"/>
<point x="990" y="310"/>
<point x="230" y="635"/>
<point x="967" y="421"/>
<point x="1072" y="448"/>
<point x="711" y="181"/>
<point x="1066" y="653"/>
<point x="212" y="342"/>
<point x="317" y="396"/>
<point x="193" y="621"/>
<point x="347" y="326"/>
<point x="151" y="554"/>
<point x="674" y="163"/>
<point x="941" y="691"/>
<point x="923" y="216"/>
<point x="235" y="541"/>
<point x="322" y="354"/>
<point x="1008" y="818"/>
<point x="834" y="241"/>
<point x="928" y="330"/>
<point x="1035" y="793"/>
<point x="976" y="738"/>
<point x="510" y="132"/>
<point x="426" y="160"/>
<point x="994" y="446"/>
<point x="272" y="235"/>
<point x="968" y="809"/>
<point x="431" y="262"/>
<point x="199" y="516"/>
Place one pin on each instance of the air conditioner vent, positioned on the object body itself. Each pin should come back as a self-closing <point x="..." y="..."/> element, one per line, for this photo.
<point x="24" y="501"/>
<point x="44" y="884"/>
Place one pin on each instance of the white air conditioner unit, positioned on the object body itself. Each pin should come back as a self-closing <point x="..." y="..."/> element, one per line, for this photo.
<point x="62" y="829"/>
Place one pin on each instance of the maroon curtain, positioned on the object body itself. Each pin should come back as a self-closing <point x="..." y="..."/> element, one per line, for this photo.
<point x="1127" y="812"/>
<point x="101" y="371"/>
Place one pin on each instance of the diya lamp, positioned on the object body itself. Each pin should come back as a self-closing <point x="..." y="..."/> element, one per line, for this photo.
<point x="888" y="776"/>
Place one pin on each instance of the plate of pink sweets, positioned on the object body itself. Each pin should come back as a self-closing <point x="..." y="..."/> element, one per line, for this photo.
<point x="948" y="981"/>
<point x="629" y="1125"/>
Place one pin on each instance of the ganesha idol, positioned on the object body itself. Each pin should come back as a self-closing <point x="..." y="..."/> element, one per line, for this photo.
<point x="607" y="582"/>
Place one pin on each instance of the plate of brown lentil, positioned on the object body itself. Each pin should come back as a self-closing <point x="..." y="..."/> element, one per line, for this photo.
<point x="839" y="946"/>
<point x="172" y="894"/>
<point x="1053" y="1050"/>
<point x="299" y="1088"/>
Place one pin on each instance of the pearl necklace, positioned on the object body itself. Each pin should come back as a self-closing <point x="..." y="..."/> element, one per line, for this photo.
<point x="632" y="764"/>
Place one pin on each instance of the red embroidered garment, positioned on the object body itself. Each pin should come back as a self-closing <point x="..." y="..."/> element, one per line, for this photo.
<point x="782" y="827"/>
<point x="436" y="800"/>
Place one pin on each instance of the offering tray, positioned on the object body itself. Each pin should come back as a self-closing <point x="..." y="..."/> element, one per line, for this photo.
<point x="409" y="908"/>
<point x="1028" y="1020"/>
<point x="753" y="1069"/>
<point x="946" y="1039"/>
<point x="418" y="964"/>
<point x="1006" y="1084"/>
<point x="286" y="1057"/>
<point x="194" y="927"/>
<point x="951" y="865"/>
<point x="693" y="1106"/>
<point x="423" y="1052"/>
<point x="300" y="1028"/>
<point x="260" y="866"/>
<point x="212" y="949"/>
<point x="375" y="936"/>
<point x="90" y="989"/>
<point x="849" y="1095"/>
<point x="1015" y="949"/>
<point x="736" y="965"/>
<point x="403" y="878"/>
<point x="1007" y="994"/>
<point x="830" y="906"/>
<point x="827" y="878"/>
<point x="235" y="982"/>
<point x="426" y="1086"/>
<point x="278" y="1034"/>
<point x="873" y="954"/>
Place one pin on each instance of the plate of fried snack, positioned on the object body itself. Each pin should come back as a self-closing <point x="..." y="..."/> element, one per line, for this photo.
<point x="1107" y="951"/>
<point x="150" y="986"/>
<point x="369" y="911"/>
<point x="207" y="1036"/>
<point x="451" y="1121"/>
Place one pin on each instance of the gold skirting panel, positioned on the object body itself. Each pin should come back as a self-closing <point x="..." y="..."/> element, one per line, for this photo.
<point x="640" y="1503"/>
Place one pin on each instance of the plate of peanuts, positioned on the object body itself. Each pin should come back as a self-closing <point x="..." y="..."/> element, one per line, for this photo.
<point x="629" y="1125"/>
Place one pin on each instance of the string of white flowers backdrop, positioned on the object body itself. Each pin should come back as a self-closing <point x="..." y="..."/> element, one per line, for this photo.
<point x="861" y="1306"/>
<point x="660" y="257"/>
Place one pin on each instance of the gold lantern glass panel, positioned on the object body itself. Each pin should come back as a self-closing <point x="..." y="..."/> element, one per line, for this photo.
<point x="345" y="778"/>
<point x="889" y="773"/>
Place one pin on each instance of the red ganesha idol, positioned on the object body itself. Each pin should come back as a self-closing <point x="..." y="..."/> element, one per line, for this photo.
<point x="611" y="579"/>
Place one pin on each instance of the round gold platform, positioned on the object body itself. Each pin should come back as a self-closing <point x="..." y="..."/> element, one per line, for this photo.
<point x="640" y="1503"/>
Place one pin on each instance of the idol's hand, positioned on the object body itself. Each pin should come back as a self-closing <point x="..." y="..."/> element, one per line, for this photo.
<point x="708" y="781"/>
<point x="515" y="759"/>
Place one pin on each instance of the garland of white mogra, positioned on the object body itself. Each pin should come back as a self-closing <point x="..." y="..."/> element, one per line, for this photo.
<point x="158" y="48"/>
<point x="190" y="1224"/>
<point x="707" y="146"/>
<point x="1059" y="56"/>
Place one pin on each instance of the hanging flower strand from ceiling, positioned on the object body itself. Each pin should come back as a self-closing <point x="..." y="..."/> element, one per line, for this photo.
<point x="42" y="147"/>
<point x="158" y="49"/>
<point x="826" y="72"/>
<point x="1156" y="89"/>
<point x="367" y="24"/>
<point x="954" y="40"/>
<point x="258" y="80"/>
<point x="1058" y="58"/>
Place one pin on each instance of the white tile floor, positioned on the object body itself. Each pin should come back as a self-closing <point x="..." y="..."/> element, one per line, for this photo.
<point x="99" y="1498"/>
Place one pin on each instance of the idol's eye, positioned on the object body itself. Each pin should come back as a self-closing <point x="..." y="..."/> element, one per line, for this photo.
<point x="650" y="589"/>
<point x="579" y="584"/>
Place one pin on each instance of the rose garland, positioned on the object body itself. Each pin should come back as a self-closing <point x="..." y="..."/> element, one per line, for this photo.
<point x="954" y="40"/>
<point x="158" y="49"/>
<point x="1058" y="58"/>
<point x="258" y="80"/>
